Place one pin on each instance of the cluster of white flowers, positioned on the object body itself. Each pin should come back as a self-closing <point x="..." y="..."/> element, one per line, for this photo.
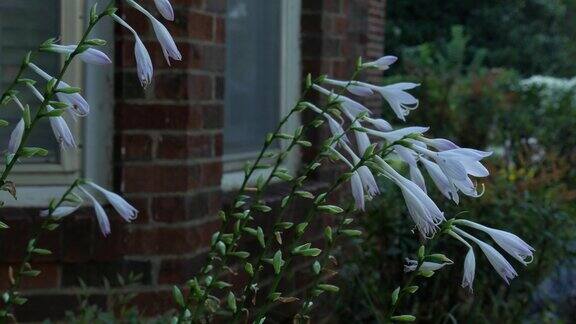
<point x="70" y="100"/>
<point x="451" y="168"/>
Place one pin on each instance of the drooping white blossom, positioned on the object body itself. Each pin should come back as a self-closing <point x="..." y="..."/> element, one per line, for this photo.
<point x="397" y="134"/>
<point x="144" y="66"/>
<point x="351" y="87"/>
<point x="351" y="108"/>
<point x="127" y="211"/>
<point x="78" y="105"/>
<point x="16" y="137"/>
<point x="90" y="56"/>
<point x="165" y="9"/>
<point x="509" y="242"/>
<point x="380" y="124"/>
<point x="382" y="63"/>
<point x="440" y="180"/>
<point x="412" y="265"/>
<point x="469" y="270"/>
<point x="399" y="100"/>
<point x="103" y="221"/>
<point x="61" y="211"/>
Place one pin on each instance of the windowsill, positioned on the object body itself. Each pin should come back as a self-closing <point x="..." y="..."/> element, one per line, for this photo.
<point x="36" y="196"/>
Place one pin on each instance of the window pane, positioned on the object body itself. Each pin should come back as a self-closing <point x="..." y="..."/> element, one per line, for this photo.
<point x="252" y="74"/>
<point x="25" y="24"/>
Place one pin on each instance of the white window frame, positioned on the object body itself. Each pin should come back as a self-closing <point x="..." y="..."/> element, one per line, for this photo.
<point x="290" y="11"/>
<point x="37" y="183"/>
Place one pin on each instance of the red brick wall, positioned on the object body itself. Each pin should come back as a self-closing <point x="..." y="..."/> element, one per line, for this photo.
<point x="168" y="152"/>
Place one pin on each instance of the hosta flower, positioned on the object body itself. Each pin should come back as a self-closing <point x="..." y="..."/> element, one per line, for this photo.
<point x="412" y="265"/>
<point x="143" y="61"/>
<point x="440" y="180"/>
<point x="79" y="106"/>
<point x="357" y="190"/>
<point x="382" y="63"/>
<point x="362" y="139"/>
<point x="469" y="269"/>
<point x="90" y="56"/>
<point x="423" y="211"/>
<point x="166" y="41"/>
<point x="127" y="211"/>
<point x="362" y="182"/>
<point x="57" y="123"/>
<point x="61" y="211"/>
<point x="408" y="156"/>
<point x="399" y="100"/>
<point x="498" y="262"/>
<point x="441" y="144"/>
<point x="397" y="134"/>
<point x="351" y="108"/>
<point x="335" y="127"/>
<point x="380" y="124"/>
<point x="165" y="9"/>
<point x="101" y="216"/>
<point x="509" y="242"/>
<point x="351" y="87"/>
<point x="16" y="137"/>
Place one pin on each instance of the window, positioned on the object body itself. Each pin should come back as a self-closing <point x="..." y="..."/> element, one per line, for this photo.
<point x="262" y="78"/>
<point x="25" y="24"/>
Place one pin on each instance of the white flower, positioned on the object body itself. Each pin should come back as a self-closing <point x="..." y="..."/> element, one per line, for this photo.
<point x="16" y="137"/>
<point x="509" y="242"/>
<point x="165" y="9"/>
<point x="440" y="180"/>
<point x="61" y="211"/>
<point x="335" y="127"/>
<point x="166" y="41"/>
<point x="368" y="182"/>
<point x="352" y="87"/>
<point x="357" y="190"/>
<point x="362" y="139"/>
<point x="351" y="108"/>
<point x="382" y="63"/>
<point x="127" y="211"/>
<point x="399" y="100"/>
<point x="90" y="56"/>
<point x="409" y="157"/>
<point x="423" y="211"/>
<point x="143" y="60"/>
<point x="469" y="269"/>
<point x="398" y="134"/>
<point x="380" y="124"/>
<point x="411" y="265"/>
<point x="79" y="105"/>
<point x="61" y="131"/>
<point x="101" y="216"/>
<point x="498" y="262"/>
<point x="441" y="144"/>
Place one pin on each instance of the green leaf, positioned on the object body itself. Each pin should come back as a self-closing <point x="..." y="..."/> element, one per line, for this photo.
<point x="403" y="318"/>
<point x="284" y="225"/>
<point x="69" y="90"/>
<point x="300" y="228"/>
<point x="330" y="209"/>
<point x="328" y="233"/>
<point x="329" y="288"/>
<point x="95" y="42"/>
<point x="41" y="251"/>
<point x="304" y="194"/>
<point x="33" y="151"/>
<point x="421" y="252"/>
<point x="4" y="123"/>
<point x="395" y="295"/>
<point x="277" y="262"/>
<point x="178" y="297"/>
<point x="240" y="254"/>
<point x="411" y="289"/>
<point x="283" y="176"/>
<point x="222" y="284"/>
<point x="316" y="267"/>
<point x="249" y="268"/>
<point x="260" y="236"/>
<point x="31" y="273"/>
<point x="54" y="113"/>
<point x="351" y="233"/>
<point x="231" y="301"/>
<point x="311" y="252"/>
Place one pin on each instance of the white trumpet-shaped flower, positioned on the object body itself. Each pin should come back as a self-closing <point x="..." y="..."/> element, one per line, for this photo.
<point x="362" y="139"/>
<point x="440" y="180"/>
<point x="357" y="190"/>
<point x="165" y="9"/>
<point x="103" y="221"/>
<point x="382" y="63"/>
<point x="469" y="269"/>
<point x="498" y="262"/>
<point x="423" y="211"/>
<point x="351" y="108"/>
<point x="335" y="127"/>
<point x="57" y="123"/>
<point x="509" y="242"/>
<point x="79" y="106"/>
<point x="127" y="211"/>
<point x="397" y="134"/>
<point x="166" y="41"/>
<point x="399" y="100"/>
<point x="61" y="211"/>
<point x="16" y="137"/>
<point x="144" y="65"/>
<point x="90" y="56"/>
<point x="380" y="124"/>
<point x="362" y="182"/>
<point x="412" y="265"/>
<point x="408" y="156"/>
<point x="351" y="87"/>
<point x="441" y="144"/>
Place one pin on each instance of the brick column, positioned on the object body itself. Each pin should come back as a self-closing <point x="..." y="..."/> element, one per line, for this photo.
<point x="169" y="145"/>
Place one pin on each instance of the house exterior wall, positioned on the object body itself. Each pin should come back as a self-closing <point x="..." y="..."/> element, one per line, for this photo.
<point x="168" y="155"/>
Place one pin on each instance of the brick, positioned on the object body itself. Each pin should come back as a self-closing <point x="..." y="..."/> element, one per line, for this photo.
<point x="52" y="306"/>
<point x="213" y="116"/>
<point x="160" y="178"/>
<point x="77" y="236"/>
<point x="148" y="117"/>
<point x="136" y="147"/>
<point x="220" y="36"/>
<point x="200" y="26"/>
<point x="94" y="273"/>
<point x="185" y="146"/>
<point x="211" y="174"/>
<point x="178" y="271"/>
<point x="170" y="209"/>
<point x="183" y="86"/>
<point x="151" y="303"/>
<point x="49" y="277"/>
